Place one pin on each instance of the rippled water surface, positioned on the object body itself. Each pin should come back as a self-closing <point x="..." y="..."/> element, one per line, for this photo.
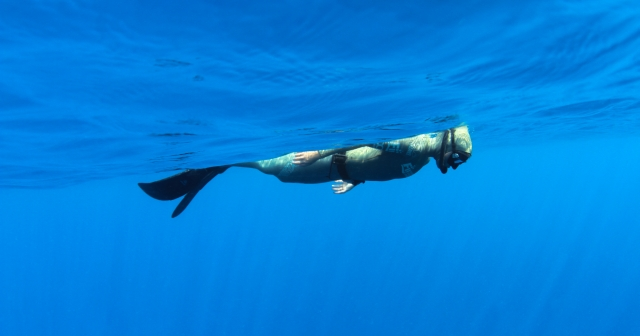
<point x="93" y="90"/>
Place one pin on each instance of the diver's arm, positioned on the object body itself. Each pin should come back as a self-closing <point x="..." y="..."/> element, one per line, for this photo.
<point x="329" y="152"/>
<point x="307" y="158"/>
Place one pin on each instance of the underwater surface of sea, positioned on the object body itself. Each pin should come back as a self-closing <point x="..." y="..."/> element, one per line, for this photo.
<point x="538" y="234"/>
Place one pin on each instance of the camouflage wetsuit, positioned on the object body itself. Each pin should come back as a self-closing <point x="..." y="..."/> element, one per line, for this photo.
<point x="378" y="162"/>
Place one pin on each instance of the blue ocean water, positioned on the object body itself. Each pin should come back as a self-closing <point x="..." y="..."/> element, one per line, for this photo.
<point x="536" y="235"/>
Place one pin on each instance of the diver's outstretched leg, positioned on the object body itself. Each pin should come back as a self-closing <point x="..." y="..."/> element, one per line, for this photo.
<point x="289" y="169"/>
<point x="190" y="181"/>
<point x="273" y="166"/>
<point x="187" y="183"/>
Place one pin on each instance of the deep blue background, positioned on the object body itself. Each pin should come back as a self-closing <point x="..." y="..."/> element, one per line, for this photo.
<point x="536" y="235"/>
<point x="538" y="240"/>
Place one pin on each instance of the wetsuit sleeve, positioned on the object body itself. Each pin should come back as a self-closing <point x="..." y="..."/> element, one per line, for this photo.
<point x="329" y="152"/>
<point x="401" y="147"/>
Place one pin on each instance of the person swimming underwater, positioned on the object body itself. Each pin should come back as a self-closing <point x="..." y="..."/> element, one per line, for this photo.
<point x="348" y="167"/>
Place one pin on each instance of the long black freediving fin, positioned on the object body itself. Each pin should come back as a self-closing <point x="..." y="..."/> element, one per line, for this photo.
<point x="187" y="183"/>
<point x="175" y="186"/>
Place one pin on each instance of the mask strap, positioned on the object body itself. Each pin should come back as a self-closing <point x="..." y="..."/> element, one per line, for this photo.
<point x="443" y="146"/>
<point x="453" y="140"/>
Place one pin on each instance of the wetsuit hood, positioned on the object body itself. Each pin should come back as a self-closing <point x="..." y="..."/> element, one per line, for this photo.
<point x="455" y="148"/>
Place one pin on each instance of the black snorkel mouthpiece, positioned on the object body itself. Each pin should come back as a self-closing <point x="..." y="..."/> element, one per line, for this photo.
<point x="455" y="157"/>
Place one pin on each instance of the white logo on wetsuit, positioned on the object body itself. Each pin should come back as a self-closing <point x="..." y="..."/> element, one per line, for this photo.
<point x="407" y="169"/>
<point x="394" y="146"/>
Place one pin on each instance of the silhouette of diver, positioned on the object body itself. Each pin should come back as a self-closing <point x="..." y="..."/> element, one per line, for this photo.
<point x="348" y="167"/>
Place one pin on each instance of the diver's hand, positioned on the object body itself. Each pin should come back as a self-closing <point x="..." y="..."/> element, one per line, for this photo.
<point x="341" y="187"/>
<point x="306" y="158"/>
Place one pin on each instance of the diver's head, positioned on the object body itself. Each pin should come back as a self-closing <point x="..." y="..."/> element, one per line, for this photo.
<point x="455" y="148"/>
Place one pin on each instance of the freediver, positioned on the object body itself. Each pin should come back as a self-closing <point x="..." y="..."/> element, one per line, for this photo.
<point x="348" y="167"/>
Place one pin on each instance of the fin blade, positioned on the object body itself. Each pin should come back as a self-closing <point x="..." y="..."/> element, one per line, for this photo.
<point x="174" y="186"/>
<point x="193" y="192"/>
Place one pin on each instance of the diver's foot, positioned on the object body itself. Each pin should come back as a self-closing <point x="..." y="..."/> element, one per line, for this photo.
<point x="342" y="187"/>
